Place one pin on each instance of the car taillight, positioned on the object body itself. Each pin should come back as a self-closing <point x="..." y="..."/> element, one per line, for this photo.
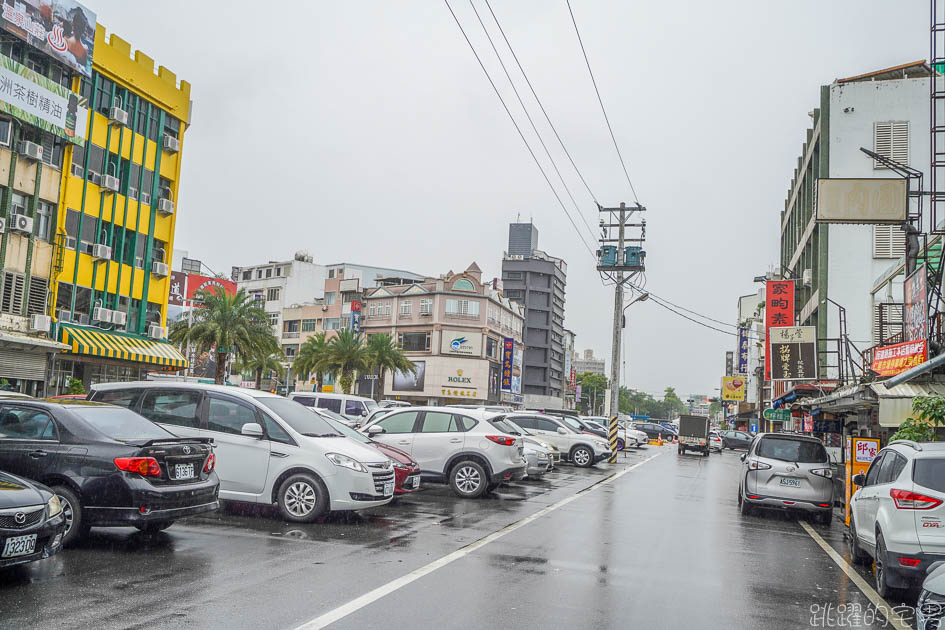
<point x="906" y="500"/>
<point x="754" y="464"/>
<point x="501" y="440"/>
<point x="210" y="464"/>
<point x="909" y="562"/>
<point x="826" y="473"/>
<point x="144" y="466"/>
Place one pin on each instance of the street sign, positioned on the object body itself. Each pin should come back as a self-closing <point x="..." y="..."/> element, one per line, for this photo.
<point x="753" y="428"/>
<point x="777" y="414"/>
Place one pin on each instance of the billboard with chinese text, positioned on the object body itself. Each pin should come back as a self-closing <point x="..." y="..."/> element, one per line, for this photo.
<point x="184" y="287"/>
<point x="41" y="102"/>
<point x="793" y="351"/>
<point x="62" y="29"/>
<point x="779" y="311"/>
<point x="742" y="351"/>
<point x="508" y="353"/>
<point x="733" y="388"/>
<point x="868" y="200"/>
<point x="897" y="358"/>
<point x="915" y="310"/>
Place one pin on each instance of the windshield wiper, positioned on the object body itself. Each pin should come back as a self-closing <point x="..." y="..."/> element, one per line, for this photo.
<point x="321" y="435"/>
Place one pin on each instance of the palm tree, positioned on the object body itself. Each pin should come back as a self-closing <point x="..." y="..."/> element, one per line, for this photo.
<point x="347" y="354"/>
<point x="263" y="363"/>
<point x="227" y="324"/>
<point x="383" y="355"/>
<point x="313" y="356"/>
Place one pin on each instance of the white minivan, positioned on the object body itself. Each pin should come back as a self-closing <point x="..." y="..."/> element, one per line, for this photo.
<point x="354" y="408"/>
<point x="269" y="449"/>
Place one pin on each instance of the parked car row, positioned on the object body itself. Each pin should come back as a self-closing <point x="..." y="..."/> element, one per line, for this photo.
<point x="145" y="454"/>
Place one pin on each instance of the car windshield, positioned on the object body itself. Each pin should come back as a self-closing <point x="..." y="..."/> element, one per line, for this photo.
<point x="505" y="426"/>
<point x="791" y="450"/>
<point x="299" y="417"/>
<point x="370" y="405"/>
<point x="574" y="424"/>
<point x="930" y="473"/>
<point x="519" y="430"/>
<point x="337" y="417"/>
<point x="121" y="424"/>
<point x="343" y="428"/>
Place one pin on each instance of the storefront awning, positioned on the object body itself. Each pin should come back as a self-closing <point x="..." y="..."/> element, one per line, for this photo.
<point x="895" y="403"/>
<point x="114" y="345"/>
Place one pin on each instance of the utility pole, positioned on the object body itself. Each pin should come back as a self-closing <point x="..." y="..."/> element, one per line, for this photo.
<point x="616" y="261"/>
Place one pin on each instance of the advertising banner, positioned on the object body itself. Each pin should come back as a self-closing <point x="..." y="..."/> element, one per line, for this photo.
<point x="456" y="342"/>
<point x="742" y="362"/>
<point x="915" y="311"/>
<point x="808" y="423"/>
<point x="62" y="29"/>
<point x="733" y="388"/>
<point x="34" y="99"/>
<point x="779" y="311"/>
<point x="356" y="306"/>
<point x="178" y="288"/>
<point x="793" y="351"/>
<point x="407" y="382"/>
<point x="356" y="321"/>
<point x="897" y="358"/>
<point x="508" y="352"/>
<point x="184" y="287"/>
<point x="729" y="363"/>
<point x="867" y="200"/>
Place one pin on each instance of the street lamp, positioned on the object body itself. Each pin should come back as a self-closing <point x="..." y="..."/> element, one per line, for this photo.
<point x="642" y="297"/>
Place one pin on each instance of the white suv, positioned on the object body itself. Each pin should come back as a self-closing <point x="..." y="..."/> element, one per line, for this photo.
<point x="460" y="446"/>
<point x="355" y="409"/>
<point x="897" y="516"/>
<point x="269" y="449"/>
<point x="581" y="449"/>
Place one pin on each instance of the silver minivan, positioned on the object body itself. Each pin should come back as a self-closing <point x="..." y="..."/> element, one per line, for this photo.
<point x="787" y="471"/>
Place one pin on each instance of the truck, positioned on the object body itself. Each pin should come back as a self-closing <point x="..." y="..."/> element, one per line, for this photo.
<point x="694" y="434"/>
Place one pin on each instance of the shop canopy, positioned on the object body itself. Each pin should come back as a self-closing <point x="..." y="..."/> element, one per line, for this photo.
<point x="114" y="345"/>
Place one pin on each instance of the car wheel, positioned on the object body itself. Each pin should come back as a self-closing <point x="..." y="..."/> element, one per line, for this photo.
<point x="825" y="518"/>
<point x="880" y="572"/>
<point x="744" y="507"/>
<point x="582" y="456"/>
<point x="620" y="444"/>
<point x="468" y="479"/>
<point x="302" y="498"/>
<point x="76" y="529"/>
<point x="155" y="527"/>
<point x="857" y="554"/>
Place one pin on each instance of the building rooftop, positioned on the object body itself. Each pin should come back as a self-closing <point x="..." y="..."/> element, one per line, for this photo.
<point x="911" y="70"/>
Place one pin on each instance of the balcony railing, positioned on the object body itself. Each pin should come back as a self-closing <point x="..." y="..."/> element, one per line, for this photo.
<point x="290" y="335"/>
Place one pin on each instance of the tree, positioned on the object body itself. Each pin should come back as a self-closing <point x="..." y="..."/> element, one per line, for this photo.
<point x="385" y="354"/>
<point x="930" y="413"/>
<point x="226" y="324"/>
<point x="593" y="387"/>
<point x="75" y="387"/>
<point x="313" y="356"/>
<point x="347" y="355"/>
<point x="263" y="363"/>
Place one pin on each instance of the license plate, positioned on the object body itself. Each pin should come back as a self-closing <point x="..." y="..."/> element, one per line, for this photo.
<point x="791" y="482"/>
<point x="388" y="488"/>
<point x="415" y="483"/>
<point x="19" y="546"/>
<point x="184" y="471"/>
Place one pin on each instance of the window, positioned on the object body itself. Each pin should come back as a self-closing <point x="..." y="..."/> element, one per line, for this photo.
<point x="259" y="274"/>
<point x="406" y="308"/>
<point x="492" y="348"/>
<point x="426" y="306"/>
<point x="889" y="241"/>
<point x="290" y="326"/>
<point x="44" y="221"/>
<point x="353" y="408"/>
<point x="248" y="275"/>
<point x="269" y="272"/>
<point x="372" y="310"/>
<point x="492" y="313"/>
<point x="543" y="424"/>
<point x="872" y="475"/>
<point x="171" y="126"/>
<point x="290" y="350"/>
<point x="177" y="408"/>
<point x="399" y="422"/>
<point x="122" y="397"/>
<point x="438" y="422"/>
<point x="272" y="294"/>
<point x="278" y="272"/>
<point x="513" y="275"/>
<point x="462" y="307"/>
<point x="306" y="401"/>
<point x="463" y="285"/>
<point x="5" y="128"/>
<point x="228" y="416"/>
<point x="309" y="325"/>
<point x="36" y="300"/>
<point x="20" y="423"/>
<point x="332" y="323"/>
<point x="331" y="273"/>
<point x="332" y="404"/>
<point x="891" y="140"/>
<point x="329" y="297"/>
<point x="18" y="203"/>
<point x="887" y="321"/>
<point x="792" y="450"/>
<point x="893" y="463"/>
<point x="414" y="341"/>
<point x="11" y="297"/>
<point x="929" y="473"/>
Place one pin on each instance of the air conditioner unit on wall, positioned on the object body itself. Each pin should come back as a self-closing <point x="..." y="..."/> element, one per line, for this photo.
<point x="156" y="332"/>
<point x="40" y="323"/>
<point x="807" y="277"/>
<point x="31" y="150"/>
<point x="145" y="198"/>
<point x="21" y="223"/>
<point x="159" y="269"/>
<point x="119" y="318"/>
<point x="171" y="144"/>
<point x="118" y="116"/>
<point x="110" y="183"/>
<point x="165" y="206"/>
<point x="101" y="251"/>
<point x="102" y="314"/>
<point x="64" y="315"/>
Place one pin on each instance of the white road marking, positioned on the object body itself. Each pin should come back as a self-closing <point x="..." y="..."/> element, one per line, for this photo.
<point x="878" y="602"/>
<point x="386" y="589"/>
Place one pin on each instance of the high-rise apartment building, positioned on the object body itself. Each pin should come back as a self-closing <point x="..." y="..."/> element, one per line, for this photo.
<point x="523" y="239"/>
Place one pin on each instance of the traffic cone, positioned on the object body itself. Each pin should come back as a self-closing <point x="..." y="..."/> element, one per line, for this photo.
<point x="659" y="439"/>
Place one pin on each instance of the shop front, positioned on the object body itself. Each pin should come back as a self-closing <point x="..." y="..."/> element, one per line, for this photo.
<point x="25" y="362"/>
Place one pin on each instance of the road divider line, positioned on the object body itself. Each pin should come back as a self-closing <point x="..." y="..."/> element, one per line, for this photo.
<point x="386" y="589"/>
<point x="891" y="615"/>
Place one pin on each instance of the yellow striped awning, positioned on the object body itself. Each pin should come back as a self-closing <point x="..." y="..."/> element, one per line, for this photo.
<point x="100" y="343"/>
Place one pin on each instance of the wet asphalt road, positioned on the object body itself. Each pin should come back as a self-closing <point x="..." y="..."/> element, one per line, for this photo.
<point x="660" y="546"/>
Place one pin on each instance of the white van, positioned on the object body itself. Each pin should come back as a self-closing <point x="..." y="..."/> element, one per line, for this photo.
<point x="354" y="408"/>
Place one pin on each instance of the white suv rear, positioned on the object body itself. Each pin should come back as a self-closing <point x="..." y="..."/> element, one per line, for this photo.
<point x="898" y="514"/>
<point x="459" y="446"/>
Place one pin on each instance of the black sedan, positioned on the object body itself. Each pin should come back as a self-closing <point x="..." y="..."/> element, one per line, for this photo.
<point x="736" y="439"/>
<point x="655" y="431"/>
<point x="31" y="521"/>
<point x="108" y="465"/>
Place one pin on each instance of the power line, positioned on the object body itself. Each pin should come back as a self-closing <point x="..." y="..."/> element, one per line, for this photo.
<point x="542" y="107"/>
<point x="518" y="129"/>
<point x="695" y="321"/>
<point x="599" y="100"/>
<point x="529" y="118"/>
<point x="706" y="317"/>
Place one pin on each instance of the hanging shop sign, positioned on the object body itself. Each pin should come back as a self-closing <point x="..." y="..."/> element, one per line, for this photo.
<point x="867" y="200"/>
<point x="793" y="351"/>
<point x="779" y="311"/>
<point x="38" y="101"/>
<point x="729" y="363"/>
<point x="742" y="352"/>
<point x="733" y="388"/>
<point x="780" y="414"/>
<point x="184" y="287"/>
<point x="356" y="321"/>
<point x="508" y="352"/>
<point x="897" y="358"/>
<point x="62" y="29"/>
<point x="915" y="311"/>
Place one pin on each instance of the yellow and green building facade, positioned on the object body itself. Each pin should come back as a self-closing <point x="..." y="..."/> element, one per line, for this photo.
<point x="89" y="217"/>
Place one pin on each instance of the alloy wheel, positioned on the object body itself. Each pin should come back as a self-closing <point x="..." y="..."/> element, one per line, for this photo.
<point x="67" y="514"/>
<point x="581" y="457"/>
<point x="300" y="499"/>
<point x="468" y="479"/>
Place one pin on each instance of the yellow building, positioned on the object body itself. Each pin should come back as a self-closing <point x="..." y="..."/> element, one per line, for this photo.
<point x="90" y="213"/>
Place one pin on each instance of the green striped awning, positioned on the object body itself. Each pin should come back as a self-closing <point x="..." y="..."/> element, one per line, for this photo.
<point x="112" y="345"/>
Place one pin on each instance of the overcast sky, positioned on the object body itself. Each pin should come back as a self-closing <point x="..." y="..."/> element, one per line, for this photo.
<point x="366" y="132"/>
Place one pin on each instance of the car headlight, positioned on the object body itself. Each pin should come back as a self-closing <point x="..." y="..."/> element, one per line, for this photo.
<point x="398" y="465"/>
<point x="542" y="456"/>
<point x="53" y="506"/>
<point x="346" y="462"/>
<point x="931" y="605"/>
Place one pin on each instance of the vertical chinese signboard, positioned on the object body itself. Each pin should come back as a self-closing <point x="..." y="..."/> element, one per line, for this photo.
<point x="729" y="363"/>
<point x="915" y="311"/>
<point x="508" y="350"/>
<point x="742" y="362"/>
<point x="779" y="311"/>
<point x="793" y="351"/>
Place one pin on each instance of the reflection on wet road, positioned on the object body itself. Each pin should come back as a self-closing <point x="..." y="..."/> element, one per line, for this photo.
<point x="662" y="546"/>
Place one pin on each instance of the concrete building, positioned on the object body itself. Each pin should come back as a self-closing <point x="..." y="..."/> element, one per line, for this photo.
<point x="454" y="329"/>
<point x="523" y="239"/>
<point x="589" y="363"/>
<point x="537" y="281"/>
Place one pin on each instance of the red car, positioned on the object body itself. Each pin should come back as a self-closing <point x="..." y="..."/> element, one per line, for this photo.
<point x="406" y="469"/>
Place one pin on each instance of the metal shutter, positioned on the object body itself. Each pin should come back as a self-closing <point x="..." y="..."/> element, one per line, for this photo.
<point x="11" y="299"/>
<point x="28" y="365"/>
<point x="891" y="140"/>
<point x="36" y="302"/>
<point x="889" y="241"/>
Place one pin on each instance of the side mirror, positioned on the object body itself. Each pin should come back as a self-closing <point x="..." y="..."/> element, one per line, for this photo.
<point x="252" y="429"/>
<point x="562" y="431"/>
<point x="363" y="414"/>
<point x="859" y="479"/>
<point x="375" y="429"/>
<point x="744" y="455"/>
